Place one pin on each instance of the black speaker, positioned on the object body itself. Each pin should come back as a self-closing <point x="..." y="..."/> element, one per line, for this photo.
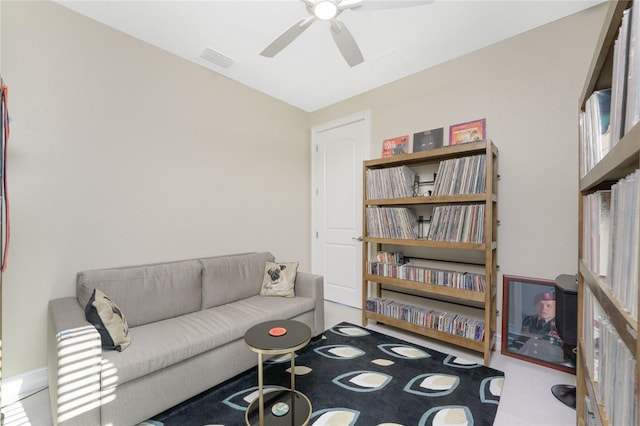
<point x="567" y="312"/>
<point x="567" y="325"/>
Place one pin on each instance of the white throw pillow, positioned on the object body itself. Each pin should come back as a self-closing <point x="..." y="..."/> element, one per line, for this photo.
<point x="109" y="320"/>
<point x="279" y="279"/>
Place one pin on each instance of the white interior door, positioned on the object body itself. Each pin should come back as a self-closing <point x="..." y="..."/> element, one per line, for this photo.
<point x="338" y="150"/>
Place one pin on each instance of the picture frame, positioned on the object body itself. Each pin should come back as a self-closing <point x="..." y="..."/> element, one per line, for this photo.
<point x="428" y="139"/>
<point x="395" y="146"/>
<point x="470" y="131"/>
<point x="529" y="330"/>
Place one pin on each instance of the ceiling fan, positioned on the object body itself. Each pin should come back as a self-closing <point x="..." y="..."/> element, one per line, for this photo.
<point x="329" y="10"/>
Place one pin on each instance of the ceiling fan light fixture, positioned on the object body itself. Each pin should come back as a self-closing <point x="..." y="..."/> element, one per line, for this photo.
<point x="325" y="10"/>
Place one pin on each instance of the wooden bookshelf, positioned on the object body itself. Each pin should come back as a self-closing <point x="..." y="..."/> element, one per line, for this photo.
<point x="621" y="160"/>
<point x="485" y="251"/>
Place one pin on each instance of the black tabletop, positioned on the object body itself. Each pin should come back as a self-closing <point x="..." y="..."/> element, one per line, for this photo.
<point x="296" y="336"/>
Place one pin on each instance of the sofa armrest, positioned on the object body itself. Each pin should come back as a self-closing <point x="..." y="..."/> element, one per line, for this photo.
<point x="312" y="285"/>
<point x="74" y="363"/>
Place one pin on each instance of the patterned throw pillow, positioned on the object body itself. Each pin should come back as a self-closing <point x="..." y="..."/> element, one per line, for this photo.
<point x="108" y="320"/>
<point x="279" y="279"/>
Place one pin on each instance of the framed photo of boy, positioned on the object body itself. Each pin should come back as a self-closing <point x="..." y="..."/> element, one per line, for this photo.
<point x="471" y="131"/>
<point x="529" y="329"/>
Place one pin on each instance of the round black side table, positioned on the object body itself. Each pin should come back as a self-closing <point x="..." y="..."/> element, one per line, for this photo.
<point x="285" y="406"/>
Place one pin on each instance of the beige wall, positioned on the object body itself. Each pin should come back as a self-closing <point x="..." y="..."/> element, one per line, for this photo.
<point x="122" y="154"/>
<point x="527" y="88"/>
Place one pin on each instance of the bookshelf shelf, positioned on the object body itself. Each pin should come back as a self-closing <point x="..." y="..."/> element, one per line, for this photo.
<point x="427" y="288"/>
<point x="439" y="199"/>
<point x="427" y="243"/>
<point x="428" y="332"/>
<point x="618" y="163"/>
<point x="625" y="324"/>
<point x="608" y="372"/>
<point x="478" y="229"/>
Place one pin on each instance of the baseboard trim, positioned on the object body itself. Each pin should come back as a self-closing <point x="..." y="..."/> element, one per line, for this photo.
<point x="18" y="387"/>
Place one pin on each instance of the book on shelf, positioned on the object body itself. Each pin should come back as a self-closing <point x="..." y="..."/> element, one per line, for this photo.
<point x="622" y="273"/>
<point x="428" y="139"/>
<point x="391" y="257"/>
<point x="395" y="146"/>
<point x="459" y="176"/>
<point x="392" y="182"/>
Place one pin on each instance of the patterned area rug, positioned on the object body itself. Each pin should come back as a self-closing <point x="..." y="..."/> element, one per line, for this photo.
<point x="356" y="376"/>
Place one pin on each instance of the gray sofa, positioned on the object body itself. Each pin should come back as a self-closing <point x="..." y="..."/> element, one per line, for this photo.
<point x="186" y="320"/>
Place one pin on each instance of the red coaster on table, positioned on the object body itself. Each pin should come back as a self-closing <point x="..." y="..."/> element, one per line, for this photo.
<point x="278" y="331"/>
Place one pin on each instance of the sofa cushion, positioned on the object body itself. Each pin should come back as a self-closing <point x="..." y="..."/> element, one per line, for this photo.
<point x="279" y="279"/>
<point x="164" y="343"/>
<point x="227" y="279"/>
<point x="109" y="320"/>
<point x="147" y="293"/>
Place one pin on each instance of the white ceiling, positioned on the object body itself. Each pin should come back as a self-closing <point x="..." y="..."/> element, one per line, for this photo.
<point x="310" y="73"/>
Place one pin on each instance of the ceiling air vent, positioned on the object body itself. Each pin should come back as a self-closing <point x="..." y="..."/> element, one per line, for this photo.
<point x="216" y="58"/>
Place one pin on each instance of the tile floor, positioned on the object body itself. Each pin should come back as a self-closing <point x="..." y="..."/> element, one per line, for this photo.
<point x="526" y="397"/>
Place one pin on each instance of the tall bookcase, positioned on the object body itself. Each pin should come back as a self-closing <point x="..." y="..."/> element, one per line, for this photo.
<point x="478" y="254"/>
<point x="597" y="299"/>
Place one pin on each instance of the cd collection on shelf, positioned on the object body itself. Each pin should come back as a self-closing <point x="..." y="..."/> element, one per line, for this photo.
<point x="610" y="364"/>
<point x="391" y="257"/>
<point x="458" y="223"/>
<point x="393" y="182"/>
<point x="459" y="176"/>
<point x="423" y="274"/>
<point x="448" y="322"/>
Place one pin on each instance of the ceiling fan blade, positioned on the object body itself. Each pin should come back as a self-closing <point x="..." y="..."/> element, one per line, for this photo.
<point x="346" y="43"/>
<point x="284" y="39"/>
<point x="358" y="5"/>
